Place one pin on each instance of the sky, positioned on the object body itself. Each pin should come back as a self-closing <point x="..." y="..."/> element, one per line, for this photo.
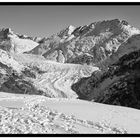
<point x="43" y="21"/>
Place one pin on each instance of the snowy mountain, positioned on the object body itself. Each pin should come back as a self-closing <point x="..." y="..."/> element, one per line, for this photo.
<point x="89" y="44"/>
<point x="13" y="43"/>
<point x="62" y="76"/>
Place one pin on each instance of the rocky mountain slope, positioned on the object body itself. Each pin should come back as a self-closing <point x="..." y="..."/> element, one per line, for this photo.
<point x="99" y="62"/>
<point x="120" y="83"/>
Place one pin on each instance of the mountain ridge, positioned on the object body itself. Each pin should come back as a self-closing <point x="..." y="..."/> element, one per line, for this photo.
<point x="81" y="46"/>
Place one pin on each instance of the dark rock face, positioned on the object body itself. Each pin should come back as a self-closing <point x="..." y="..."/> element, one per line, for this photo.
<point x="119" y="85"/>
<point x="4" y="33"/>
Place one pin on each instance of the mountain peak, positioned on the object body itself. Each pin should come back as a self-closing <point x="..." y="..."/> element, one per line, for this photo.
<point x="71" y="29"/>
<point x="66" y="31"/>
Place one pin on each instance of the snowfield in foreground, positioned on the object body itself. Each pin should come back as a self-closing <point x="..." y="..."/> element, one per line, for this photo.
<point x="38" y="114"/>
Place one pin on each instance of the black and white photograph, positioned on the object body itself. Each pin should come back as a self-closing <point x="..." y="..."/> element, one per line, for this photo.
<point x="69" y="69"/>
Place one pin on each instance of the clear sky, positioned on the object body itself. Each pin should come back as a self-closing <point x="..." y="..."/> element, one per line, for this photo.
<point x="44" y="21"/>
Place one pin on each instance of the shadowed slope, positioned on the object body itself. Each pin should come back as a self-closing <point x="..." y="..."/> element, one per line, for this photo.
<point x="119" y="84"/>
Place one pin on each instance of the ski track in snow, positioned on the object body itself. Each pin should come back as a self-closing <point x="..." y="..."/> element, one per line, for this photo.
<point x="36" y="114"/>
